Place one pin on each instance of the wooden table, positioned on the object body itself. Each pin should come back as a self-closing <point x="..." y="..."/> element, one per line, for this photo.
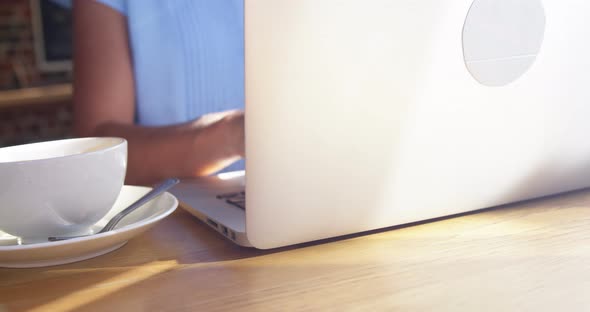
<point x="533" y="256"/>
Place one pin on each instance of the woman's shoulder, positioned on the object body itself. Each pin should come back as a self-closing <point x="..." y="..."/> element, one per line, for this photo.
<point x="117" y="5"/>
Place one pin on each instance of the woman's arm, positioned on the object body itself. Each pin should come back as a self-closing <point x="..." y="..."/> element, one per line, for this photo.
<point x="104" y="105"/>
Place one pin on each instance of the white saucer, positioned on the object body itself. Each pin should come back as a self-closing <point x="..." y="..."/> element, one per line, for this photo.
<point x="15" y="255"/>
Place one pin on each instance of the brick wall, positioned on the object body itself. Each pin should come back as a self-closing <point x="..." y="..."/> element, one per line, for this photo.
<point x="42" y="122"/>
<point x="18" y="67"/>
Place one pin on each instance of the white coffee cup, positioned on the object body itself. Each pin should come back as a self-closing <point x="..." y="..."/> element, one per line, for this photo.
<point x="59" y="188"/>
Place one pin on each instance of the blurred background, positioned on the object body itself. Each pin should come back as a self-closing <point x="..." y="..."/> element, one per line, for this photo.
<point x="35" y="71"/>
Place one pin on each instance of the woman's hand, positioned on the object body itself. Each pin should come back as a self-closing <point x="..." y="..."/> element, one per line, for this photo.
<point x="226" y="127"/>
<point x="218" y="141"/>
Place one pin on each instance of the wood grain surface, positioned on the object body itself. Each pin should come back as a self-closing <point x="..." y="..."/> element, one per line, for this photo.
<point x="531" y="256"/>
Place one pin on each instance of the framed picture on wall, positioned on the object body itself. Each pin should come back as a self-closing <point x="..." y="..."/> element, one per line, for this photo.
<point x="52" y="35"/>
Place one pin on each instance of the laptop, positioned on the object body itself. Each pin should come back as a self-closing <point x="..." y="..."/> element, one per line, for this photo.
<point x="363" y="115"/>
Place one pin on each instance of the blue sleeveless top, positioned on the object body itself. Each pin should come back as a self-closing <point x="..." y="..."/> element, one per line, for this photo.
<point x="188" y="57"/>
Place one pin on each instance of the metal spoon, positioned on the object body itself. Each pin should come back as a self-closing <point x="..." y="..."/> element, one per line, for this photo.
<point x="155" y="192"/>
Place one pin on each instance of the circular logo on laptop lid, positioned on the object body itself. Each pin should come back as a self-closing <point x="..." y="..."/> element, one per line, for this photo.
<point x="502" y="38"/>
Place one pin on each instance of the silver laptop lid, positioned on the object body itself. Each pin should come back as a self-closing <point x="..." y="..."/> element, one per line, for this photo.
<point x="368" y="114"/>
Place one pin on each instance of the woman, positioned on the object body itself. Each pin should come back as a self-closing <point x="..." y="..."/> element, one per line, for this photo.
<point x="166" y="75"/>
